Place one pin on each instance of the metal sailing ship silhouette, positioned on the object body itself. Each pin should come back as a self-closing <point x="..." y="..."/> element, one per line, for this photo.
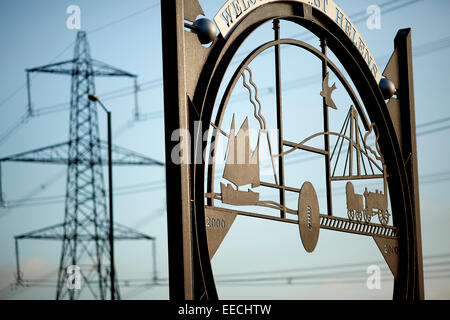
<point x="242" y="164"/>
<point x="241" y="167"/>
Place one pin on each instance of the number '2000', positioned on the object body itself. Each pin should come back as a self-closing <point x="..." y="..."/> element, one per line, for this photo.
<point x="215" y="223"/>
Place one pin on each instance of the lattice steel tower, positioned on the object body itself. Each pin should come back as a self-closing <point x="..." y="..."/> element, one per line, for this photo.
<point x="84" y="232"/>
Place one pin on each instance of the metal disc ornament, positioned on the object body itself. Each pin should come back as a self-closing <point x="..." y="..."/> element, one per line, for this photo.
<point x="308" y="216"/>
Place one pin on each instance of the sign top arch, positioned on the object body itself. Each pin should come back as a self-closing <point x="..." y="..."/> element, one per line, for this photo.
<point x="234" y="11"/>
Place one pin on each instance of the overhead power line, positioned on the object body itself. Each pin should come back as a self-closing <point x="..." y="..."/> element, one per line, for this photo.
<point x="157" y="185"/>
<point x="424" y="49"/>
<point x="132" y="15"/>
<point x="118" y="191"/>
<point x="345" y="266"/>
<point x="387" y="6"/>
<point x="104" y="26"/>
<point x="356" y="18"/>
<point x="24" y="118"/>
<point x="23" y="86"/>
<point x="431" y="47"/>
<point x="436" y="266"/>
<point x="114" y="94"/>
<point x="419" y="51"/>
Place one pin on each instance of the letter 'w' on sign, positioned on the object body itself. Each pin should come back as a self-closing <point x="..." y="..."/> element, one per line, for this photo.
<point x="218" y="223"/>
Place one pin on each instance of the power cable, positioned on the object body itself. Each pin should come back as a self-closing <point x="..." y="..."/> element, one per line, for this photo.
<point x="134" y="14"/>
<point x="356" y="18"/>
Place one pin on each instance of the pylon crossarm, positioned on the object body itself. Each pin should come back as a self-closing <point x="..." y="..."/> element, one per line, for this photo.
<point x="56" y="153"/>
<point x="122" y="232"/>
<point x="63" y="67"/>
<point x="54" y="232"/>
<point x="104" y="69"/>
<point x="123" y="156"/>
<point x="66" y="67"/>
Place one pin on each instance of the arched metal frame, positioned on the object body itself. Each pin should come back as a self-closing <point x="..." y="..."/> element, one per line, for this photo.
<point x="222" y="52"/>
<point x="197" y="73"/>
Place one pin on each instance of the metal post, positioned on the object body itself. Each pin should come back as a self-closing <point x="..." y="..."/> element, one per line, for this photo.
<point x="111" y="220"/>
<point x="276" y="28"/>
<point x="351" y="144"/>
<point x="358" y="146"/>
<point x="323" y="45"/>
<point x="19" y="276"/>
<point x="178" y="180"/>
<point x="112" y="272"/>
<point x="409" y="149"/>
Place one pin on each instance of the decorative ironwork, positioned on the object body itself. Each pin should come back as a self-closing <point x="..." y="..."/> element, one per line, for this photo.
<point x="326" y="222"/>
<point x="327" y="91"/>
<point x="199" y="79"/>
<point x="247" y="171"/>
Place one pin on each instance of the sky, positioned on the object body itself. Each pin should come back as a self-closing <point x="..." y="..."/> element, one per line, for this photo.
<point x="127" y="35"/>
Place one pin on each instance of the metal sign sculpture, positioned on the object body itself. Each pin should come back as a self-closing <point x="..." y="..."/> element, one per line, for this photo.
<point x="205" y="200"/>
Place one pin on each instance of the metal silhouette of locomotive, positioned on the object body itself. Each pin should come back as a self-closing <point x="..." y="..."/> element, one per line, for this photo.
<point x="376" y="203"/>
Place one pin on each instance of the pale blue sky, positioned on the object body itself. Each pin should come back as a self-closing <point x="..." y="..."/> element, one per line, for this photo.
<point x="127" y="34"/>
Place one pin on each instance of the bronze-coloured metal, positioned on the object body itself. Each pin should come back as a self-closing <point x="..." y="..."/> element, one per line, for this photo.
<point x="188" y="271"/>
<point x="400" y="71"/>
<point x="197" y="73"/>
<point x="333" y="223"/>
<point x="376" y="203"/>
<point x="351" y="132"/>
<point x="390" y="251"/>
<point x="308" y="216"/>
<point x="278" y="95"/>
<point x="355" y="203"/>
<point x="218" y="224"/>
<point x="327" y="102"/>
<point x="327" y="91"/>
<point x="242" y="164"/>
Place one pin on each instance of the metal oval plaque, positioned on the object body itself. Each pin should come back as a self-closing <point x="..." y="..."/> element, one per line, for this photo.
<point x="308" y="216"/>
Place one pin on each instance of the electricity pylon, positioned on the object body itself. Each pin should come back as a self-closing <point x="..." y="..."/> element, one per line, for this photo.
<point x="85" y="230"/>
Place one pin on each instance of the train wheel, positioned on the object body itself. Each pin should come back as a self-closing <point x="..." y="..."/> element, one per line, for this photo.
<point x="358" y="215"/>
<point x="383" y="216"/>
<point x="367" y="216"/>
<point x="351" y="214"/>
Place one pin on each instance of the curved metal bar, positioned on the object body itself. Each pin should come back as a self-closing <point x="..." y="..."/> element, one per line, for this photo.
<point x="257" y="111"/>
<point x="256" y="97"/>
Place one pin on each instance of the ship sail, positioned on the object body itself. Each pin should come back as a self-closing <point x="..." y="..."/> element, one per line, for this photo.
<point x="242" y="165"/>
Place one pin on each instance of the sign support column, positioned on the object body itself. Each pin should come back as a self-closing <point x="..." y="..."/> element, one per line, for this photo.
<point x="409" y="148"/>
<point x="178" y="180"/>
